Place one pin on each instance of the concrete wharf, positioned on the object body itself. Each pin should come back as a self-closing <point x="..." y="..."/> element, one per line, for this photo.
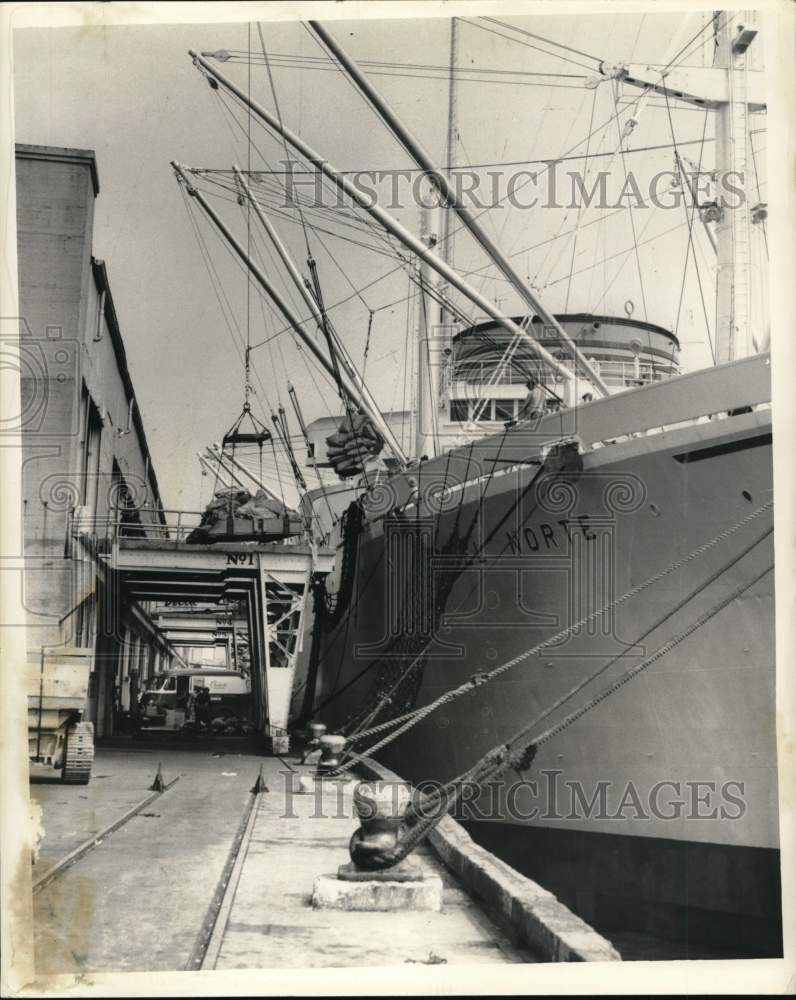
<point x="207" y="875"/>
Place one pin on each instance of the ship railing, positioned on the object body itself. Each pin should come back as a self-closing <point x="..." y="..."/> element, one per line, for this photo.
<point x="617" y="373"/>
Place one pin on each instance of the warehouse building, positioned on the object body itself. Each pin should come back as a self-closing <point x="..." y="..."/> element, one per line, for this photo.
<point x="86" y="459"/>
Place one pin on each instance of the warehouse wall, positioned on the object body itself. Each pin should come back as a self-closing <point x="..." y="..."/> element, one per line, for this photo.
<point x="84" y="442"/>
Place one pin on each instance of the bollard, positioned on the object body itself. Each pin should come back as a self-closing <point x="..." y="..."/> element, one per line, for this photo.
<point x="315" y="731"/>
<point x="331" y="748"/>
<point x="158" y="785"/>
<point x="365" y="883"/>
<point x="381" y="807"/>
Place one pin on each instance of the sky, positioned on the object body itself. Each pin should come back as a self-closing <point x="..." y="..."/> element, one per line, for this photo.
<point x="131" y="94"/>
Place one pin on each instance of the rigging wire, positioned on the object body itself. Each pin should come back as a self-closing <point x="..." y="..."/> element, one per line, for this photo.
<point x="279" y="119"/>
<point x="757" y="185"/>
<point x="626" y="252"/>
<point x="237" y="193"/>
<point x="528" y="45"/>
<point x="373" y="282"/>
<point x="677" y="56"/>
<point x="278" y="471"/>
<point x="708" y="26"/>
<point x="541" y="38"/>
<point x="282" y="430"/>
<point x="615" y="117"/>
<point x="372" y="313"/>
<point x="249" y="230"/>
<point x="345" y="300"/>
<point x="619" y="112"/>
<point x="433" y="401"/>
<point x="542" y="161"/>
<point x="215" y="279"/>
<point x="580" y="205"/>
<point x="365" y="304"/>
<point x="690" y="246"/>
<point x="630" y="207"/>
<point x="297" y="61"/>
<point x="228" y="315"/>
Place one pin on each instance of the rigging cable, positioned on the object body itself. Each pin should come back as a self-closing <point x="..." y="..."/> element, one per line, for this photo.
<point x="671" y="62"/>
<point x="580" y="206"/>
<point x="585" y="681"/>
<point x="502" y="757"/>
<point x="543" y="161"/>
<point x="278" y="472"/>
<point x="215" y="280"/>
<point x="757" y="184"/>
<point x="279" y="118"/>
<point x="528" y="45"/>
<point x="547" y="41"/>
<point x="690" y="246"/>
<point x="221" y="296"/>
<point x="291" y="458"/>
<point x="285" y="60"/>
<point x="310" y="451"/>
<point x="367" y="343"/>
<point x="392" y="271"/>
<point x="630" y="205"/>
<point x="433" y="399"/>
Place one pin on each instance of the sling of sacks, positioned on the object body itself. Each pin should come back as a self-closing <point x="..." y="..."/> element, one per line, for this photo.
<point x="355" y="441"/>
<point x="234" y="502"/>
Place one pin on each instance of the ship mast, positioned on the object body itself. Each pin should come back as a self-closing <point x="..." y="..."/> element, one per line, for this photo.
<point x="433" y="344"/>
<point x="733" y="90"/>
<point x="733" y="228"/>
<point x="448" y="233"/>
<point x="427" y="367"/>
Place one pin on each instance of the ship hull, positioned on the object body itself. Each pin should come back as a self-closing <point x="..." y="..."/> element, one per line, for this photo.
<point x="677" y="767"/>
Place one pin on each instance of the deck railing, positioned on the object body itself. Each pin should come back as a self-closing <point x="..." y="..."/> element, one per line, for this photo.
<point x="621" y="373"/>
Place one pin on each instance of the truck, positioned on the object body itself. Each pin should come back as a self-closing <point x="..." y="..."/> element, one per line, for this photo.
<point x="166" y="699"/>
<point x="58" y="738"/>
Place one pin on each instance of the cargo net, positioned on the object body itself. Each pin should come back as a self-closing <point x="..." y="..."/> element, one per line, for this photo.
<point x="355" y="442"/>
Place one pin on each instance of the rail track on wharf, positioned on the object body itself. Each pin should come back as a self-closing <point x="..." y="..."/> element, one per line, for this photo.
<point x="129" y="876"/>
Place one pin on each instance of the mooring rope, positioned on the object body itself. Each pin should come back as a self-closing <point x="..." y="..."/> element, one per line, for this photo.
<point x="504" y="757"/>
<point x="411" y="719"/>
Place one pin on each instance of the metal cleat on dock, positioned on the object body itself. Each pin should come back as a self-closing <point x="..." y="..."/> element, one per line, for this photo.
<point x="369" y="881"/>
<point x="332" y="747"/>
<point x="315" y="731"/>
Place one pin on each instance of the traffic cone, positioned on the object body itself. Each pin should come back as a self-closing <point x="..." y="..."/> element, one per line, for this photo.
<point x="158" y="785"/>
<point x="259" y="786"/>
